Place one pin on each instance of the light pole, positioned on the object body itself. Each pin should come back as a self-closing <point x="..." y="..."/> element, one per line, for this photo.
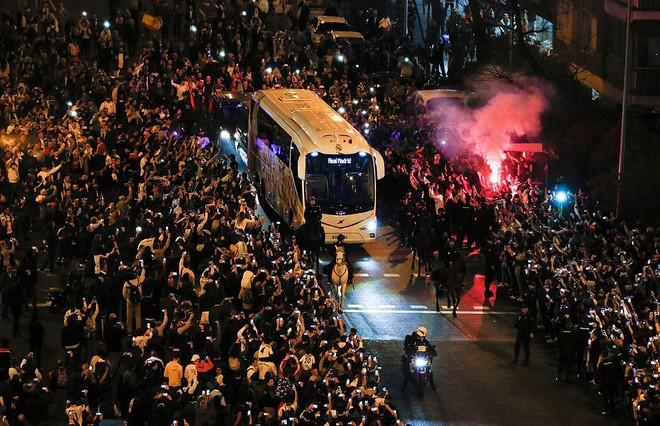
<point x="624" y="111"/>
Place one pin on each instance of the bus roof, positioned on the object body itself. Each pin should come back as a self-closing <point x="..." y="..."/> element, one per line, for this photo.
<point x="318" y="126"/>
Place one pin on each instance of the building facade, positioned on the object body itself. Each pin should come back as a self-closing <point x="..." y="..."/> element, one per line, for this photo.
<point x="591" y="34"/>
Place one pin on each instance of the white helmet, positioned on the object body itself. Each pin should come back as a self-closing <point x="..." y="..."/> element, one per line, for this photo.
<point x="421" y="331"/>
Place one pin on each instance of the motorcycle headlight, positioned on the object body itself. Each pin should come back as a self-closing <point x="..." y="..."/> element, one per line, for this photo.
<point x="225" y="135"/>
<point x="421" y="362"/>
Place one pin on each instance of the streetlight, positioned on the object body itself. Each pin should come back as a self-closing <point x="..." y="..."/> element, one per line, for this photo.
<point x="624" y="110"/>
<point x="561" y="196"/>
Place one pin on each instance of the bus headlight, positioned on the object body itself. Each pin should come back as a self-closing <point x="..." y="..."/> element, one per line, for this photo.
<point x="225" y="135"/>
<point x="371" y="226"/>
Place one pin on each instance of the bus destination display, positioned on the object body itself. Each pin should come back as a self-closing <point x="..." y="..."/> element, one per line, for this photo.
<point x="339" y="160"/>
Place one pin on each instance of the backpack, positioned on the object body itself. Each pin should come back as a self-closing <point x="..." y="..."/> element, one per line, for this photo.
<point x="134" y="295"/>
<point x="61" y="378"/>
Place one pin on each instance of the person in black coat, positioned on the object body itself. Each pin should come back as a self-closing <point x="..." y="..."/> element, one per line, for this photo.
<point x="36" y="404"/>
<point x="303" y="17"/>
<point x="72" y="334"/>
<point x="525" y="325"/>
<point x="36" y="337"/>
<point x="15" y="298"/>
<point x="112" y="335"/>
<point x="567" y="341"/>
<point x="51" y="241"/>
<point x="27" y="276"/>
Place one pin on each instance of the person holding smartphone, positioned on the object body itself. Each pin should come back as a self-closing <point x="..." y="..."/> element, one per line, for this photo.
<point x="132" y="294"/>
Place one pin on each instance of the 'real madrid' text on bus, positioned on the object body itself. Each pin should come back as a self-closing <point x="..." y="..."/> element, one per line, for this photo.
<point x="299" y="147"/>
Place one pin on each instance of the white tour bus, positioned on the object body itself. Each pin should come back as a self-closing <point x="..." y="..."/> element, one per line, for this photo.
<point x="299" y="147"/>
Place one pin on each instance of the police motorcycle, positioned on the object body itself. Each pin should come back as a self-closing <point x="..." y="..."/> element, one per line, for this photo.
<point x="420" y="368"/>
<point x="419" y="357"/>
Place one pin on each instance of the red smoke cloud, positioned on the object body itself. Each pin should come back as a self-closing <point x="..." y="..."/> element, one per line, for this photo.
<point x="506" y="110"/>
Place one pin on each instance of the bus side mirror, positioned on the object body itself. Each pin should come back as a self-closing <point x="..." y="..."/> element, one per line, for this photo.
<point x="301" y="167"/>
<point x="380" y="164"/>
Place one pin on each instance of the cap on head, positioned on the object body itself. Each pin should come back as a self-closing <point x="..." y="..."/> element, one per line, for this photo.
<point x="421" y="331"/>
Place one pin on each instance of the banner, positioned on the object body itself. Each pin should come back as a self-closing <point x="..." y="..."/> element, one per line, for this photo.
<point x="152" y="23"/>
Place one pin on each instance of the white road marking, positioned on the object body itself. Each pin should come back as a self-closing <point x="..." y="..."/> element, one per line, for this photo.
<point x="481" y="308"/>
<point x="355" y="306"/>
<point x="392" y="275"/>
<point x="362" y="275"/>
<point x="410" y="311"/>
<point x="418" y="306"/>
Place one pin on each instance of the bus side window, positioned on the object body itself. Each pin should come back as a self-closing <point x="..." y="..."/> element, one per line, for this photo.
<point x="280" y="141"/>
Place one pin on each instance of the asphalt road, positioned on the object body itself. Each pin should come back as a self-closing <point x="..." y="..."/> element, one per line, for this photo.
<point x="476" y="384"/>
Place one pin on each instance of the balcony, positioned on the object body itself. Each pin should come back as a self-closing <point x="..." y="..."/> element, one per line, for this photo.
<point x="646" y="82"/>
<point x="642" y="10"/>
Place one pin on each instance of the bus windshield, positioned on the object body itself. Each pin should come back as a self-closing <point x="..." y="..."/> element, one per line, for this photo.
<point x="342" y="184"/>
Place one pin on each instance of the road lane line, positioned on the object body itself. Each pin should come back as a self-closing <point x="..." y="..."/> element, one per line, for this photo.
<point x="355" y="306"/>
<point x="480" y="308"/>
<point x="418" y="306"/>
<point x="362" y="275"/>
<point x="392" y="275"/>
<point x="418" y="311"/>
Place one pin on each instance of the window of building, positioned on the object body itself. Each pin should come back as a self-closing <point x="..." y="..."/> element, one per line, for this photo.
<point x="565" y="15"/>
<point x="587" y="31"/>
<point x="649" y="46"/>
<point x="615" y="37"/>
<point x="653" y="52"/>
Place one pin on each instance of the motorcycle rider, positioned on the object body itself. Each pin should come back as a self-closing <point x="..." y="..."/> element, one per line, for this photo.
<point x="410" y="346"/>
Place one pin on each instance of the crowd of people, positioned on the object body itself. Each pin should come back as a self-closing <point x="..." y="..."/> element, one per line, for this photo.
<point x="592" y="282"/>
<point x="584" y="278"/>
<point x="183" y="307"/>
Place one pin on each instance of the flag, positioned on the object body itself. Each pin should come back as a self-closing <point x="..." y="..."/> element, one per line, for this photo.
<point x="152" y="23"/>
